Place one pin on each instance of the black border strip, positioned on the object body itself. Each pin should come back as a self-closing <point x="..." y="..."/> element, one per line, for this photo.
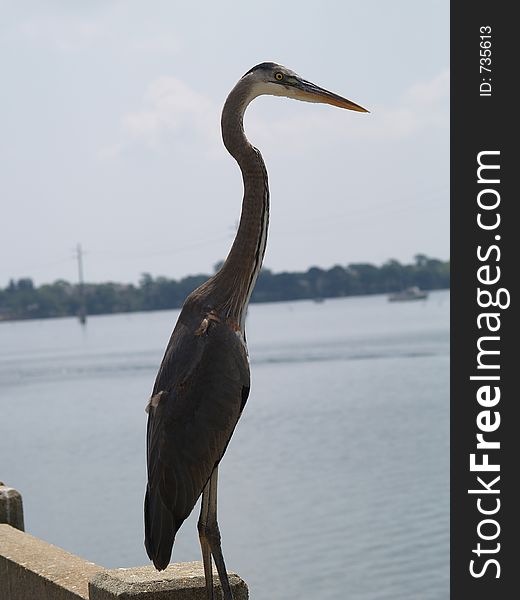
<point x="484" y="123"/>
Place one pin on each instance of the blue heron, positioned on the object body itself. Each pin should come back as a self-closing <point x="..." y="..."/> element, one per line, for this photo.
<point x="203" y="382"/>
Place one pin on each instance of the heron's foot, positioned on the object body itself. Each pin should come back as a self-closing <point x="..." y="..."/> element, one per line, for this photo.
<point x="208" y="570"/>
<point x="209" y="536"/>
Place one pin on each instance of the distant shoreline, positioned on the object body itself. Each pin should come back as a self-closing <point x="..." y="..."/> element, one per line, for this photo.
<point x="141" y="310"/>
<point x="21" y="300"/>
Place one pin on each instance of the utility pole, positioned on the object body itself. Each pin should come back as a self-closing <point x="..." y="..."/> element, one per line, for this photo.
<point x="82" y="311"/>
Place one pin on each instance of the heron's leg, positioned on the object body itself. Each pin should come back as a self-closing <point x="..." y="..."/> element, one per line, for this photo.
<point x="209" y="531"/>
<point x="204" y="544"/>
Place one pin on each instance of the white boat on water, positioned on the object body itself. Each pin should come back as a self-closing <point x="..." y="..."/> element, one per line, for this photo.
<point x="411" y="293"/>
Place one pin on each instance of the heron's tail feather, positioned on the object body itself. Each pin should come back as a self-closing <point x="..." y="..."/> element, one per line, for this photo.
<point x="159" y="529"/>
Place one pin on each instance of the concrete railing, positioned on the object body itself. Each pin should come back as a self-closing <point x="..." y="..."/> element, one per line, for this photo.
<point x="11" y="507"/>
<point x="32" y="569"/>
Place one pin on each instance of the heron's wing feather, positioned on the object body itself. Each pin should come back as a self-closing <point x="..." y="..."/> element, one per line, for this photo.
<point x="199" y="394"/>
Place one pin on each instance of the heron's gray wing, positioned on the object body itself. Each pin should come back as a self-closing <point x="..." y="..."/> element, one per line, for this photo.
<point x="199" y="394"/>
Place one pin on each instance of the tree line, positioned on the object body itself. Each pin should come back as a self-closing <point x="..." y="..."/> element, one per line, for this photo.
<point x="21" y="299"/>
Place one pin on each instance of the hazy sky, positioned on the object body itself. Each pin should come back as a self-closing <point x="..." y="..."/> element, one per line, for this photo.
<point x="110" y="134"/>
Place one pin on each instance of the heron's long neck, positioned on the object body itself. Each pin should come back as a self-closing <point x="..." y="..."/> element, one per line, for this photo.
<point x="237" y="277"/>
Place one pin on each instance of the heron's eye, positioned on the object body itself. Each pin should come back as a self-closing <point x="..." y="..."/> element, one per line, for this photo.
<point x="278" y="76"/>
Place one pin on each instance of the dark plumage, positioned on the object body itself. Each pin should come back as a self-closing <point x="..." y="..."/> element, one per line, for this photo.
<point x="204" y="382"/>
<point x="264" y="66"/>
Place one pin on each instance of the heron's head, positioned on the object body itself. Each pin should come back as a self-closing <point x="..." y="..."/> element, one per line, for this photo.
<point x="276" y="80"/>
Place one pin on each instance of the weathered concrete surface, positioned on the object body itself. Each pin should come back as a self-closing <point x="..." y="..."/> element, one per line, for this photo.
<point x="11" y="507"/>
<point x="31" y="569"/>
<point x="181" y="581"/>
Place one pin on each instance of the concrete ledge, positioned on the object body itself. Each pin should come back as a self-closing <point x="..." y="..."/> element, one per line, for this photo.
<point x="181" y="581"/>
<point x="31" y="569"/>
<point x="11" y="506"/>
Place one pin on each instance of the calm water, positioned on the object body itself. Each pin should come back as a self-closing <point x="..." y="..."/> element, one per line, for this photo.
<point x="334" y="486"/>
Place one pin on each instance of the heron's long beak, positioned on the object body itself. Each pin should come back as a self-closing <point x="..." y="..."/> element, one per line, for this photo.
<point x="309" y="92"/>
